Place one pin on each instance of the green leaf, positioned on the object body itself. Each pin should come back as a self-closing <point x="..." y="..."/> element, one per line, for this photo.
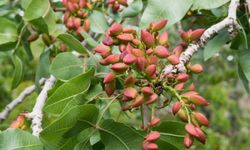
<point x="89" y="39"/>
<point x="41" y="15"/>
<point x="19" y="71"/>
<point x="214" y="45"/>
<point x="172" y="10"/>
<point x="243" y="79"/>
<point x="66" y="66"/>
<point x="16" y="139"/>
<point x="114" y="135"/>
<point x="36" y="9"/>
<point x="72" y="42"/>
<point x="172" y="134"/>
<point x="244" y="61"/>
<point x="53" y="133"/>
<point x="66" y="92"/>
<point x="208" y="4"/>
<point x="98" y="22"/>
<point x="43" y="67"/>
<point x="133" y="9"/>
<point x="8" y="31"/>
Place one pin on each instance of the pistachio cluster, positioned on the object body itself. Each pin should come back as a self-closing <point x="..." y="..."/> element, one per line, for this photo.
<point x="139" y="64"/>
<point x="76" y="15"/>
<point x="116" y="4"/>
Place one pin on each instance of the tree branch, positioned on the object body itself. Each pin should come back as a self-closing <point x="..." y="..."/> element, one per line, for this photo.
<point x="228" y="22"/>
<point x="248" y="5"/>
<point x="36" y="115"/>
<point x="26" y="92"/>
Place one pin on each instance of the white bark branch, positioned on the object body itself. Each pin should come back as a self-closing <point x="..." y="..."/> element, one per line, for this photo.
<point x="36" y="115"/>
<point x="26" y="92"/>
<point x="228" y="22"/>
<point x="248" y="5"/>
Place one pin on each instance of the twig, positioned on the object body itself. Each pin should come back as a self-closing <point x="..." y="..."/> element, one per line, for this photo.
<point x="228" y="22"/>
<point x="36" y="115"/>
<point x="26" y="92"/>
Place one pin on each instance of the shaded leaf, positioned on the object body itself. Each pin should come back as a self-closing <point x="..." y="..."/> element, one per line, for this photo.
<point x="243" y="79"/>
<point x="72" y="42"/>
<point x="172" y="10"/>
<point x="66" y="92"/>
<point x="17" y="139"/>
<point x="43" y="67"/>
<point x="172" y="134"/>
<point x="208" y="4"/>
<point x="244" y="62"/>
<point x="66" y="66"/>
<point x="133" y="9"/>
<point x="214" y="45"/>
<point x="19" y="71"/>
<point x="98" y="22"/>
<point x="114" y="135"/>
<point x="53" y="133"/>
<point x="89" y="39"/>
<point x="8" y="31"/>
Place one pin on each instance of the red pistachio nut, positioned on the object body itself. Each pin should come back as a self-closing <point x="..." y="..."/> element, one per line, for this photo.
<point x="191" y="87"/>
<point x="182" y="115"/>
<point x="129" y="59"/>
<point x="136" y="42"/>
<point x="109" y="78"/>
<point x="112" y="59"/>
<point x="82" y="3"/>
<point x="102" y="49"/>
<point x="116" y="29"/>
<point x="147" y="38"/>
<point x="179" y="86"/>
<point x="107" y="41"/>
<point x="130" y="80"/>
<point x="110" y="88"/>
<point x="130" y="92"/>
<point x="163" y="38"/>
<point x="161" y="51"/>
<point x="119" y="67"/>
<point x="151" y="70"/>
<point x="153" y="136"/>
<point x="190" y="128"/>
<point x="156" y="26"/>
<point x="149" y="51"/>
<point x="176" y="107"/>
<point x="188" y="141"/>
<point x="197" y="68"/>
<point x="76" y="22"/>
<point x="128" y="30"/>
<point x="137" y="52"/>
<point x="141" y="63"/>
<point x="154" y="121"/>
<point x="152" y="60"/>
<point x="152" y="99"/>
<point x="196" y="34"/>
<point x="198" y="100"/>
<point x="147" y="90"/>
<point x="138" y="101"/>
<point x="186" y="35"/>
<point x="182" y="77"/>
<point x="201" y="118"/>
<point x="201" y="136"/>
<point x="178" y="50"/>
<point x="173" y="59"/>
<point x="150" y="146"/>
<point x="86" y="24"/>
<point x="126" y="37"/>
